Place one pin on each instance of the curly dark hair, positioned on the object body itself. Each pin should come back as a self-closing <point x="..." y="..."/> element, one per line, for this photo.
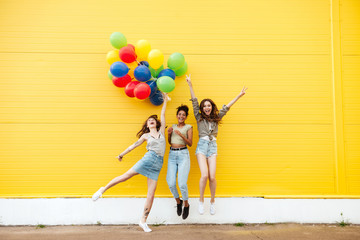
<point x="145" y="129"/>
<point x="214" y="115"/>
<point x="183" y="108"/>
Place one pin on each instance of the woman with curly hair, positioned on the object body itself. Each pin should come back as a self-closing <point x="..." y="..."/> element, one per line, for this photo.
<point x="180" y="136"/>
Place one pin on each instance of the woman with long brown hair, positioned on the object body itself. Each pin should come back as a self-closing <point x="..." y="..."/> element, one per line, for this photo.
<point x="152" y="131"/>
<point x="208" y="118"/>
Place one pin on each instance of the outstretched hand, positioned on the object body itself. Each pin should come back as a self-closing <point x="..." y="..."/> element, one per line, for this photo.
<point x="120" y="157"/>
<point x="166" y="97"/>
<point x="243" y="91"/>
<point x="188" y="79"/>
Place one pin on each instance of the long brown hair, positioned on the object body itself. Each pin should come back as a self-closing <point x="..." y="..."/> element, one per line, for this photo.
<point x="214" y="115"/>
<point x="145" y="129"/>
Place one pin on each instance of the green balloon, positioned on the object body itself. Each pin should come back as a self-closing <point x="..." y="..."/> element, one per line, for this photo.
<point x="165" y="84"/>
<point x="176" y="61"/>
<point x="155" y="72"/>
<point x="118" y="40"/>
<point x="110" y="75"/>
<point x="181" y="71"/>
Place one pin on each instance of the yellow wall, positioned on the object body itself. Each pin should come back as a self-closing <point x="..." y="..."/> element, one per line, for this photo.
<point x="296" y="132"/>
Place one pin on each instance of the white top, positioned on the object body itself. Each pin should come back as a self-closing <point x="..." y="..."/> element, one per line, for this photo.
<point x="157" y="145"/>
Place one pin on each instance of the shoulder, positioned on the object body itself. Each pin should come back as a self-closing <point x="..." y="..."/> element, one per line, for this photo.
<point x="188" y="126"/>
<point x="145" y="136"/>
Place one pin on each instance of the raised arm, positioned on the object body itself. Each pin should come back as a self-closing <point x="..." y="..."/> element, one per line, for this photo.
<point x="162" y="116"/>
<point x="132" y="147"/>
<point x="194" y="100"/>
<point x="242" y="93"/>
<point x="188" y="80"/>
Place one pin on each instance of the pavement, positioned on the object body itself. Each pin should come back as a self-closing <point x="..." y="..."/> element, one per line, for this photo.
<point x="184" y="232"/>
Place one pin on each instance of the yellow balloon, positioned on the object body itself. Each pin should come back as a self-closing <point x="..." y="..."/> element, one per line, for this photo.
<point x="132" y="67"/>
<point x="113" y="56"/>
<point x="142" y="49"/>
<point x="155" y="58"/>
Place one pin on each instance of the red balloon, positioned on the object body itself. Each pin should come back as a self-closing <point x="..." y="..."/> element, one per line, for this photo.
<point x="127" y="54"/>
<point x="132" y="46"/>
<point x="129" y="89"/>
<point x="142" y="91"/>
<point x="122" y="81"/>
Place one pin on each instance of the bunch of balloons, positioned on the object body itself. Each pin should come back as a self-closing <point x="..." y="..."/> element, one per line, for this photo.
<point x="140" y="70"/>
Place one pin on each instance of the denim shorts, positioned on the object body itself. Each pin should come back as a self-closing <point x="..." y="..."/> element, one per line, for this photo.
<point x="206" y="147"/>
<point x="150" y="165"/>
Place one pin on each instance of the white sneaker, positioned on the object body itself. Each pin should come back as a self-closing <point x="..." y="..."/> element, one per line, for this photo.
<point x="145" y="227"/>
<point x="212" y="209"/>
<point x="98" y="194"/>
<point x="201" y="208"/>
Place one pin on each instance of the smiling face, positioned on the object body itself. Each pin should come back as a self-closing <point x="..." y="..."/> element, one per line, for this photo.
<point x="151" y="123"/>
<point x="181" y="116"/>
<point x="207" y="108"/>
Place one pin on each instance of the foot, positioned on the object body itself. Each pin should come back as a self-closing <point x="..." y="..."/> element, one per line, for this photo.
<point x="201" y="208"/>
<point x="179" y="208"/>
<point x="185" y="212"/>
<point x="212" y="209"/>
<point x="98" y="194"/>
<point x="145" y="227"/>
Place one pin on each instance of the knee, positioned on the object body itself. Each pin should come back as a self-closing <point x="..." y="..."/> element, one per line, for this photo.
<point x="212" y="178"/>
<point x="204" y="177"/>
<point x="183" y="187"/>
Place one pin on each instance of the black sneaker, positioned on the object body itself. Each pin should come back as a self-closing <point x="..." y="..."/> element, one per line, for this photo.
<point x="179" y="208"/>
<point x="185" y="212"/>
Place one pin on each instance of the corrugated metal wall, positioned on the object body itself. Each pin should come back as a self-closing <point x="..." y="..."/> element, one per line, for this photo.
<point x="350" y="57"/>
<point x="295" y="133"/>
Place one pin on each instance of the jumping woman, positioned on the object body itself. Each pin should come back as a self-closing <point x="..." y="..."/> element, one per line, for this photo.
<point x="208" y="118"/>
<point x="180" y="136"/>
<point x="152" y="131"/>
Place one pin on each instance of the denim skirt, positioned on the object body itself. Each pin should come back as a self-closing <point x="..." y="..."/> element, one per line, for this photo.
<point x="150" y="165"/>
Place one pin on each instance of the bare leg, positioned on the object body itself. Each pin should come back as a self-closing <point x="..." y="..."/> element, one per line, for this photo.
<point x="130" y="173"/>
<point x="150" y="199"/>
<point x="204" y="174"/>
<point x="212" y="180"/>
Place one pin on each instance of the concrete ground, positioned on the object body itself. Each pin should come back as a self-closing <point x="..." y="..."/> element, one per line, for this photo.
<point x="176" y="232"/>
